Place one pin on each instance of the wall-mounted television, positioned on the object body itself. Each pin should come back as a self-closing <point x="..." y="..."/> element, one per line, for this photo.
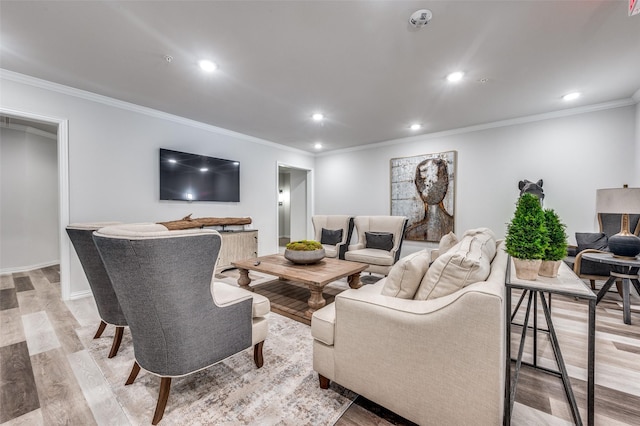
<point x="193" y="177"/>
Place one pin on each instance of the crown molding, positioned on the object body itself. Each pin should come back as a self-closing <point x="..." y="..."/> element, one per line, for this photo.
<point x="496" y="124"/>
<point x="105" y="100"/>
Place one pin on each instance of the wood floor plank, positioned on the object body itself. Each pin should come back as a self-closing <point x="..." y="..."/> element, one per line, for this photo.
<point x="96" y="390"/>
<point x="8" y="299"/>
<point x="23" y="284"/>
<point x="18" y="391"/>
<point x="39" y="332"/>
<point x="11" y="330"/>
<point x="61" y="399"/>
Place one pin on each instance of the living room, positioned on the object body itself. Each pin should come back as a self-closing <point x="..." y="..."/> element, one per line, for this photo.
<point x="107" y="158"/>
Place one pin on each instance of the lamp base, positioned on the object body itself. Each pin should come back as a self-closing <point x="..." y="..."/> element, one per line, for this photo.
<point x="624" y="246"/>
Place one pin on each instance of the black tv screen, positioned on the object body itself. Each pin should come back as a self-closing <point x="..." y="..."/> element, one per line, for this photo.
<point x="192" y="177"/>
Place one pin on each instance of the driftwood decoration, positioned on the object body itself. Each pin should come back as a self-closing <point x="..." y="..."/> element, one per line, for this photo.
<point x="187" y="222"/>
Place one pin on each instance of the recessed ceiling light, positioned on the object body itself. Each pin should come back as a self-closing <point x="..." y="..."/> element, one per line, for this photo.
<point x="317" y="145"/>
<point x="454" y="77"/>
<point x="204" y="169"/>
<point x="415" y="126"/>
<point x="207" y="65"/>
<point x="571" y="96"/>
<point x="317" y="116"/>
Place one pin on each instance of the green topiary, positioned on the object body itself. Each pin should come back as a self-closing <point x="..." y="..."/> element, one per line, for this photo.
<point x="557" y="248"/>
<point x="304" y="245"/>
<point x="527" y="233"/>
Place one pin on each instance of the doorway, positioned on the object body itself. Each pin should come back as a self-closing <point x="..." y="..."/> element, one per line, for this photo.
<point x="294" y="204"/>
<point x="59" y="127"/>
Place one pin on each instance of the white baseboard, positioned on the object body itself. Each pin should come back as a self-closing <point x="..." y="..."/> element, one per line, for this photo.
<point x="14" y="270"/>
<point x="80" y="294"/>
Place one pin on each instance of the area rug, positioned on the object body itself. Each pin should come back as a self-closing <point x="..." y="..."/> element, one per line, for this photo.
<point x="284" y="391"/>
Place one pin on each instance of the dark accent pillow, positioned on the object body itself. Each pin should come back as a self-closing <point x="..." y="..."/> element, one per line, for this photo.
<point x="591" y="240"/>
<point x="379" y="240"/>
<point x="331" y="236"/>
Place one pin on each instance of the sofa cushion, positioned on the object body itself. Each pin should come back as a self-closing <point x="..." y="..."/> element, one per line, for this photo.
<point x="226" y="294"/>
<point x="331" y="236"/>
<point x="371" y="256"/>
<point x="405" y="276"/>
<point x="379" y="240"/>
<point x="464" y="264"/>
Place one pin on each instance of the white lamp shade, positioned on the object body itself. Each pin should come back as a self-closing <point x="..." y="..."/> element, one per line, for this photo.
<point x="618" y="200"/>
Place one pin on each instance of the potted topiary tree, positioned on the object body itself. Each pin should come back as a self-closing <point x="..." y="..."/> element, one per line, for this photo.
<point x="526" y="238"/>
<point x="557" y="248"/>
<point x="304" y="252"/>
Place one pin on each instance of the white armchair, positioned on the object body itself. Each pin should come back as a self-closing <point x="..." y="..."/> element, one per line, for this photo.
<point x="379" y="242"/>
<point x="334" y="232"/>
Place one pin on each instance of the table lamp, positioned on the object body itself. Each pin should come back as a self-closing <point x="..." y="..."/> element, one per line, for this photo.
<point x="623" y="201"/>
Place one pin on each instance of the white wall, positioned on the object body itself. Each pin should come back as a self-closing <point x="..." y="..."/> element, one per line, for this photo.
<point x="113" y="161"/>
<point x="637" y="156"/>
<point x="574" y="155"/>
<point x="28" y="199"/>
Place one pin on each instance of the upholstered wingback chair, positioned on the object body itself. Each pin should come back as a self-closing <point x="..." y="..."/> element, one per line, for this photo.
<point x="379" y="242"/>
<point x="334" y="232"/>
<point x="81" y="236"/>
<point x="181" y="321"/>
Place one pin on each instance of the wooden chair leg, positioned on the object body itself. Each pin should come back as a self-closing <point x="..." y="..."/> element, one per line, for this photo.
<point x="163" y="396"/>
<point x="134" y="373"/>
<point x="101" y="328"/>
<point x="117" y="339"/>
<point x="324" y="382"/>
<point x="619" y="287"/>
<point x="593" y="284"/>
<point x="257" y="354"/>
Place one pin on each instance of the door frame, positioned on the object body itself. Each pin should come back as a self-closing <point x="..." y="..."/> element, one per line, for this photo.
<point x="63" y="188"/>
<point x="309" y="207"/>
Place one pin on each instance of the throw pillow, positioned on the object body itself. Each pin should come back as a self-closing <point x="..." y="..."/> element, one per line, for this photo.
<point x="488" y="238"/>
<point x="464" y="264"/>
<point x="446" y="242"/>
<point x="379" y="240"/>
<point x="405" y="276"/>
<point x="331" y="236"/>
<point x="591" y="240"/>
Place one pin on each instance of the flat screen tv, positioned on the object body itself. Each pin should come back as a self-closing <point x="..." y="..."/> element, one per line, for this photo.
<point x="192" y="177"/>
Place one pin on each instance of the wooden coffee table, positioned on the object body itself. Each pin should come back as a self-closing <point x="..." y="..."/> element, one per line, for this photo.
<point x="315" y="276"/>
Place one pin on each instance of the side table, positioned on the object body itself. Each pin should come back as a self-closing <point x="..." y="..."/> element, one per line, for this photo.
<point x="627" y="269"/>
<point x="567" y="284"/>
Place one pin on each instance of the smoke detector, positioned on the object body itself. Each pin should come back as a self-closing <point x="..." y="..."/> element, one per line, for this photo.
<point x="420" y="18"/>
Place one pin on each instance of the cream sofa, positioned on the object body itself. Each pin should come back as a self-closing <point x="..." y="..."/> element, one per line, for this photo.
<point x="439" y="361"/>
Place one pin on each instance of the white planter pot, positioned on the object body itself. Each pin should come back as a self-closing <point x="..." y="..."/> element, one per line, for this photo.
<point x="527" y="269"/>
<point x="304" y="257"/>
<point x="549" y="268"/>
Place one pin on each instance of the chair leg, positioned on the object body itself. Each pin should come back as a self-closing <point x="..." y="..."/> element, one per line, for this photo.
<point x="134" y="373"/>
<point x="324" y="382"/>
<point x="593" y="284"/>
<point x="619" y="287"/>
<point x="163" y="396"/>
<point x="117" y="339"/>
<point x="257" y="354"/>
<point x="101" y="328"/>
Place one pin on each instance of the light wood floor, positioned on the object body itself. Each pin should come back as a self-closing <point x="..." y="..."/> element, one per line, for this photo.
<point x="38" y="383"/>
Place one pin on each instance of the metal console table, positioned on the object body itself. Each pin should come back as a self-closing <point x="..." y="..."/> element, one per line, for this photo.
<point x="566" y="284"/>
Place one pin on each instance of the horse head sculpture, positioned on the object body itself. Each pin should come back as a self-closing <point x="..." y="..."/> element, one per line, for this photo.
<point x="534" y="188"/>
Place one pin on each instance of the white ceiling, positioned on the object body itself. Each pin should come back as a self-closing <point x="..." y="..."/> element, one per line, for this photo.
<point x="358" y="62"/>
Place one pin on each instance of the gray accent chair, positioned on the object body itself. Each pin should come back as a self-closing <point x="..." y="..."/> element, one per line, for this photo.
<point x="380" y="261"/>
<point x="81" y="236"/>
<point x="590" y="242"/>
<point x="181" y="320"/>
<point x="333" y="223"/>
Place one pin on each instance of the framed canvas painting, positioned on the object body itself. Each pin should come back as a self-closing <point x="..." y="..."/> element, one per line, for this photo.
<point x="423" y="190"/>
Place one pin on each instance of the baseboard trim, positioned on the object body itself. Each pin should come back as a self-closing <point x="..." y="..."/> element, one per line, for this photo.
<point x="14" y="270"/>
<point x="80" y="294"/>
